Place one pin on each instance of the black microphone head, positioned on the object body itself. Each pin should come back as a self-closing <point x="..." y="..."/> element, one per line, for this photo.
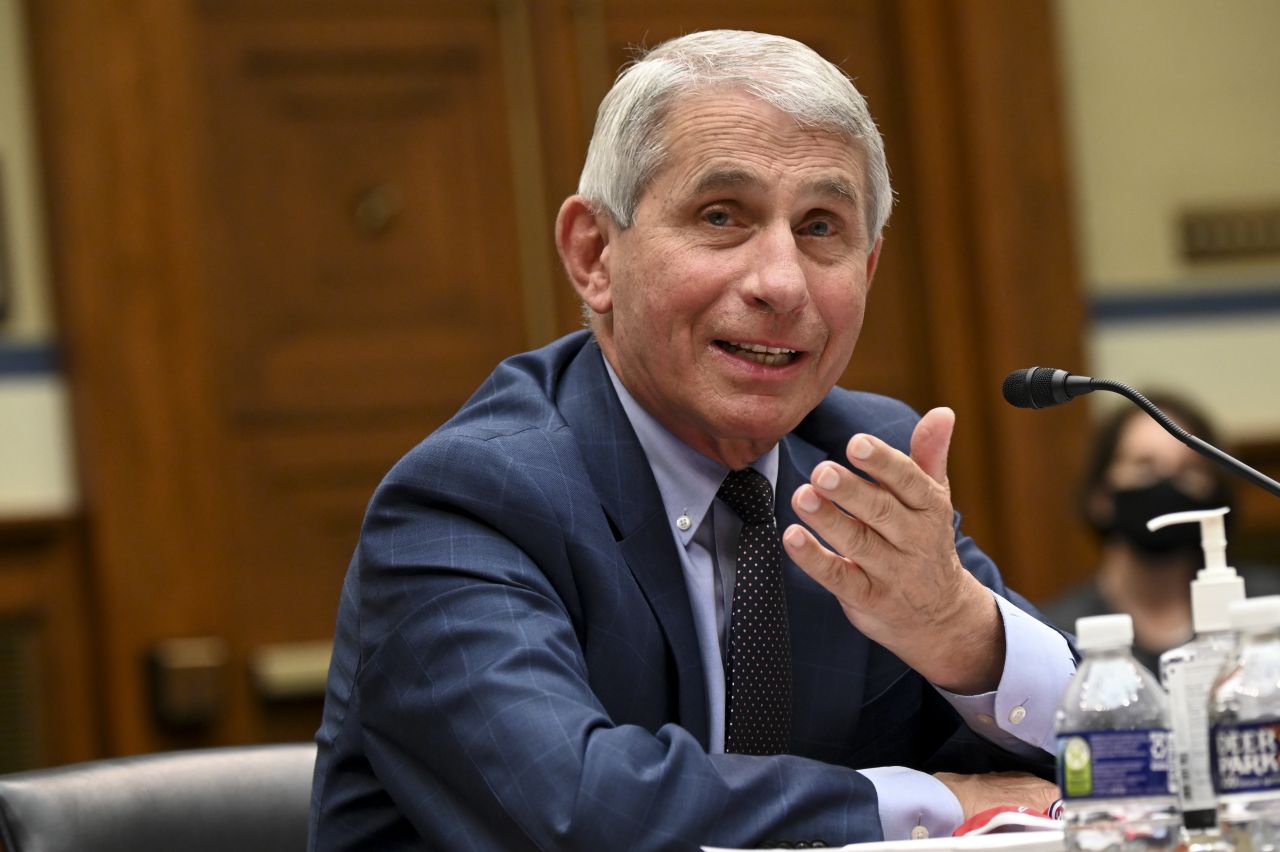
<point x="1036" y="387"/>
<point x="1047" y="386"/>
<point x="1017" y="388"/>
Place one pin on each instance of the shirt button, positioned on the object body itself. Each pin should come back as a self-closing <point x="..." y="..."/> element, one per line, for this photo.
<point x="919" y="833"/>
<point x="684" y="522"/>
<point x="985" y="719"/>
<point x="1017" y="714"/>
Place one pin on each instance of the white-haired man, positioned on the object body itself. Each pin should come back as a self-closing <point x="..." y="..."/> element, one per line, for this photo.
<point x="570" y="623"/>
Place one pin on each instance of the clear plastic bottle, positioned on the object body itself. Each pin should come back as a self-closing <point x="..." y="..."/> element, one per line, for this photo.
<point x="1114" y="747"/>
<point x="1244" y="719"/>
<point x="1188" y="673"/>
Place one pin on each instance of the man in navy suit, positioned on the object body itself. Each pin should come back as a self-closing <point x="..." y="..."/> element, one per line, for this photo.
<point x="532" y="636"/>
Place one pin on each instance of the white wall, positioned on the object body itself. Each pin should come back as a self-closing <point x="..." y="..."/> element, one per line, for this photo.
<point x="1173" y="105"/>
<point x="29" y="313"/>
<point x="36" y="476"/>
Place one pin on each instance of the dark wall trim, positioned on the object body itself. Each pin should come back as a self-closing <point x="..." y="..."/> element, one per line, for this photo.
<point x="28" y="359"/>
<point x="1201" y="304"/>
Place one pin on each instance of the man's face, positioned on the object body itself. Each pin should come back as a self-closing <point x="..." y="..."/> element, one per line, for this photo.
<point x="736" y="297"/>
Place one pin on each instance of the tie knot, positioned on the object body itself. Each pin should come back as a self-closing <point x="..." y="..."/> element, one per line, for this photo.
<point x="748" y="493"/>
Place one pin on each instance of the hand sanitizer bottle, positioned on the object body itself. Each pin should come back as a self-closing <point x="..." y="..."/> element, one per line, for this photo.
<point x="1187" y="673"/>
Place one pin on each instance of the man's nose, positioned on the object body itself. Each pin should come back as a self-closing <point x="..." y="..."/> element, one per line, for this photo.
<point x="776" y="281"/>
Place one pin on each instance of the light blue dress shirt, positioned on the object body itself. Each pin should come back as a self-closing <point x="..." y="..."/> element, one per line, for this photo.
<point x="1018" y="716"/>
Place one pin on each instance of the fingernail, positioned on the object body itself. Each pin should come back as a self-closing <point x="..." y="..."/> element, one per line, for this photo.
<point x="828" y="478"/>
<point x="807" y="500"/>
<point x="860" y="448"/>
<point x="794" y="538"/>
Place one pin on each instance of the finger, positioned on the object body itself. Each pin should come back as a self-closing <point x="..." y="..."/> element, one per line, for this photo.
<point x="855" y="537"/>
<point x="855" y="494"/>
<point x="931" y="441"/>
<point x="893" y="470"/>
<point x="839" y="576"/>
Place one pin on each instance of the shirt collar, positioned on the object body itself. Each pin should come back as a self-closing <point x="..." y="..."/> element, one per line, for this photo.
<point x="687" y="480"/>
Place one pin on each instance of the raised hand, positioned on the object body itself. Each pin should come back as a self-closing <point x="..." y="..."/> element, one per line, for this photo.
<point x="890" y="558"/>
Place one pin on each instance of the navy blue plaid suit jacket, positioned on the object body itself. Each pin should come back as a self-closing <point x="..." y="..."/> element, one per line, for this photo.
<point x="515" y="665"/>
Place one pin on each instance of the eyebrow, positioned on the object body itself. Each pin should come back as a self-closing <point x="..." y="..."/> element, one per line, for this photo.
<point x="838" y="188"/>
<point x="734" y="178"/>
<point x="725" y="178"/>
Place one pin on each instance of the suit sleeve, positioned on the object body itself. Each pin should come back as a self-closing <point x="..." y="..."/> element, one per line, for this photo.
<point x="472" y="695"/>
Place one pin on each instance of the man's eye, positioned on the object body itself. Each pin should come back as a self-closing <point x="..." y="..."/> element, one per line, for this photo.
<point x="818" y="228"/>
<point x="716" y="217"/>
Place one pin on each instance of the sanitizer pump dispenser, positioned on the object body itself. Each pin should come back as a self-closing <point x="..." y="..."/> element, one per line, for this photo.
<point x="1188" y="671"/>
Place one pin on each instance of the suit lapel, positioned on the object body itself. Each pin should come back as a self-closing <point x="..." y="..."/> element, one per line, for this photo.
<point x="629" y="495"/>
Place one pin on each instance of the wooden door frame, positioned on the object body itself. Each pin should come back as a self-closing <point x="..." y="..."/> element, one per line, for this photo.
<point x="983" y="101"/>
<point x="119" y="138"/>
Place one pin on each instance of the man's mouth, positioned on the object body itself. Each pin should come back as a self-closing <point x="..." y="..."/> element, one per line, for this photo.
<point x="769" y="356"/>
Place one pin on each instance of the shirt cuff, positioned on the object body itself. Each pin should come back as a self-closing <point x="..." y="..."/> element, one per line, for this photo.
<point x="1038" y="664"/>
<point x="913" y="805"/>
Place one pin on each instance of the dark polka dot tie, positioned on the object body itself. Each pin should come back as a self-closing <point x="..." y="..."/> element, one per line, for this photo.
<point x="758" y="687"/>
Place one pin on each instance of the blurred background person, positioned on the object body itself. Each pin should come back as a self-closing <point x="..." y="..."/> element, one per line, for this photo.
<point x="1136" y="471"/>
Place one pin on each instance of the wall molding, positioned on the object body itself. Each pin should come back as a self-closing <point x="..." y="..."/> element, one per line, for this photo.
<point x="1203" y="302"/>
<point x="29" y="359"/>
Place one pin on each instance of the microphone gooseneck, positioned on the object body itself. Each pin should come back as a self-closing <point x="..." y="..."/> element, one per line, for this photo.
<point x="1041" y="387"/>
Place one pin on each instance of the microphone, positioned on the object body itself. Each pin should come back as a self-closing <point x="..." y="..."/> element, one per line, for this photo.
<point x="1041" y="387"/>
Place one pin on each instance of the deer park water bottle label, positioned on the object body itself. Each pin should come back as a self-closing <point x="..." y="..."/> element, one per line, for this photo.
<point x="1244" y="756"/>
<point x="1114" y="764"/>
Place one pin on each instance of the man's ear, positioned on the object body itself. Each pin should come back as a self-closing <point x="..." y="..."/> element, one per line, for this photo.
<point x="582" y="238"/>
<point x="873" y="260"/>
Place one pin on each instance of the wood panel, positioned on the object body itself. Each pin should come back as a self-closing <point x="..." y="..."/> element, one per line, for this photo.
<point x="49" y="694"/>
<point x="117" y="128"/>
<point x="289" y="246"/>
<point x="993" y="240"/>
<point x="1255" y="536"/>
<point x="366" y="271"/>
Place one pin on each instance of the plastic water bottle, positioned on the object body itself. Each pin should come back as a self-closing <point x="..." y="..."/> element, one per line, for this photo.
<point x="1114" y="743"/>
<point x="1244" y="719"/>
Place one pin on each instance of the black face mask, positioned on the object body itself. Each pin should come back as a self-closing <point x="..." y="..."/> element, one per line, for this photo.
<point x="1135" y="506"/>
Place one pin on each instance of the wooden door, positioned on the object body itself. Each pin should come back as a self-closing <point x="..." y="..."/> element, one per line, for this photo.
<point x="288" y="242"/>
<point x="290" y="237"/>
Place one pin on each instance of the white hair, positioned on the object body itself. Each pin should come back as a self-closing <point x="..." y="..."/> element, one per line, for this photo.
<point x="628" y="149"/>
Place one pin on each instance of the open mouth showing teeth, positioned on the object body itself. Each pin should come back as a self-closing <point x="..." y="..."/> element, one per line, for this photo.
<point x="769" y="356"/>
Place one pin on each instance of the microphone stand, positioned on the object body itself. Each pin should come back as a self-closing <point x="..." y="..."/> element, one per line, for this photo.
<point x="1204" y="448"/>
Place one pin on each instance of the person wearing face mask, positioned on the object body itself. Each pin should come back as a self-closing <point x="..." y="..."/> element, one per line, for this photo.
<point x="1137" y="471"/>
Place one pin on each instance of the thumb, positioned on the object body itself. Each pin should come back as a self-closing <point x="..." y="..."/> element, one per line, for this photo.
<point x="931" y="440"/>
